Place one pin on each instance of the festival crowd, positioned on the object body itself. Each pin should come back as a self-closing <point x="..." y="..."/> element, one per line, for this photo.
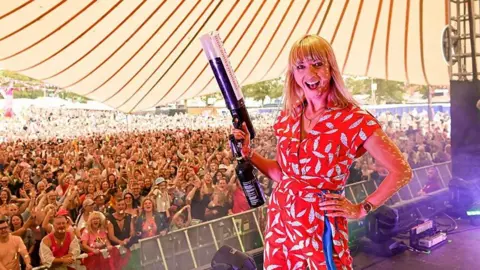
<point x="75" y="181"/>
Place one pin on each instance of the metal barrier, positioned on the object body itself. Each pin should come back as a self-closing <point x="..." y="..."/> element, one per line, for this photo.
<point x="195" y="246"/>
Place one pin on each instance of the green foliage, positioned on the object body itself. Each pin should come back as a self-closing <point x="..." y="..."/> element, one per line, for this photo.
<point x="28" y="94"/>
<point x="216" y="96"/>
<point x="358" y="86"/>
<point x="387" y="91"/>
<point x="16" y="76"/>
<point x="259" y="91"/>
<point x="390" y="92"/>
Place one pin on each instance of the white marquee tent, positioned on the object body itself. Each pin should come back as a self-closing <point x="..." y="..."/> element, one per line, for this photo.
<point x="133" y="55"/>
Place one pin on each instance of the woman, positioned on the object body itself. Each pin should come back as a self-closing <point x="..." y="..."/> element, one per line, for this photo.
<point x="5" y="198"/>
<point x="150" y="223"/>
<point x="94" y="237"/>
<point x="320" y="132"/>
<point x="128" y="197"/>
<point x="16" y="223"/>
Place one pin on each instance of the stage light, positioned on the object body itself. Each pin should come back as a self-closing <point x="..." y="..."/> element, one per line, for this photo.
<point x="381" y="225"/>
<point x="228" y="258"/>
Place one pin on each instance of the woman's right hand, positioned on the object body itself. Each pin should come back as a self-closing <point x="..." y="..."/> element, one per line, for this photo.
<point x="244" y="135"/>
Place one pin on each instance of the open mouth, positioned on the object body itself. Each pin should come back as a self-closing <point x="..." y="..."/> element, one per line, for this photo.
<point x="312" y="85"/>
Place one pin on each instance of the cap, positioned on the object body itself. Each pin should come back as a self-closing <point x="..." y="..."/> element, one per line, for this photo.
<point x="87" y="202"/>
<point x="61" y="212"/>
<point x="223" y="167"/>
<point x="159" y="180"/>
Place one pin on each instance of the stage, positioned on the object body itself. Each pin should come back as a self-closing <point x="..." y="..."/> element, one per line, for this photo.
<point x="461" y="253"/>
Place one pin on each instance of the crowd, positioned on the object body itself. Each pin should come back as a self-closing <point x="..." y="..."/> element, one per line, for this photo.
<point x="83" y="181"/>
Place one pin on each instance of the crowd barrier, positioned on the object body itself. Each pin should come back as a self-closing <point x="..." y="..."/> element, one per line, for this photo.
<point x="195" y="246"/>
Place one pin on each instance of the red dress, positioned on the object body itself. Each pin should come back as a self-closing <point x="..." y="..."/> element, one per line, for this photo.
<point x="312" y="167"/>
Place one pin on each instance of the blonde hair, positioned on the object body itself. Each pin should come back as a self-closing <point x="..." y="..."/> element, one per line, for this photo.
<point x="95" y="214"/>
<point x="314" y="47"/>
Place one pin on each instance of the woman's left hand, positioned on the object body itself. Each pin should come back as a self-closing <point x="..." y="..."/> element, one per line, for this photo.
<point x="341" y="207"/>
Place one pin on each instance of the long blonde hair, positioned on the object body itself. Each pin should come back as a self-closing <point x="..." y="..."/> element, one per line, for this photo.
<point x="96" y="214"/>
<point x="314" y="47"/>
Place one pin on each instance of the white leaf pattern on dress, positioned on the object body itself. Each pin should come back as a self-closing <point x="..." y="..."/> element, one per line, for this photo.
<point x="329" y="125"/>
<point x="371" y="123"/>
<point x="331" y="131"/>
<point x="280" y="240"/>
<point x="312" y="229"/>
<point x="330" y="158"/>
<point x="330" y="172"/>
<point x="314" y="244"/>
<point x="344" y="139"/>
<point x="348" y="117"/>
<point x="325" y="117"/>
<point x="356" y="123"/>
<point x="318" y="166"/>
<point x="362" y="135"/>
<point x="328" y="147"/>
<point x="295" y="126"/>
<point x="295" y="168"/>
<point x="337" y="115"/>
<point x="305" y="160"/>
<point x="311" y="215"/>
<point x="318" y="154"/>
<point x="315" y="144"/>
<point x="301" y="213"/>
<point x="314" y="132"/>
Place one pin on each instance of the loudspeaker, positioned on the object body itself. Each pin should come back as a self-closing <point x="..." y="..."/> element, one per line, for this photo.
<point x="228" y="258"/>
<point x="381" y="224"/>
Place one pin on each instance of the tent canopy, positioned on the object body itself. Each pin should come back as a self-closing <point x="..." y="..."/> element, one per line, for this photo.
<point x="133" y="55"/>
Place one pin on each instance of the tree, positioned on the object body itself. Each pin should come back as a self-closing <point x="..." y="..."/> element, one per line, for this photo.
<point x="358" y="86"/>
<point x="205" y="98"/>
<point x="390" y="92"/>
<point x="259" y="91"/>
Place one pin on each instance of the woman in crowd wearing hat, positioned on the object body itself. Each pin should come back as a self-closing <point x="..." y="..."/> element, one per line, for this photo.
<point x="161" y="197"/>
<point x="82" y="219"/>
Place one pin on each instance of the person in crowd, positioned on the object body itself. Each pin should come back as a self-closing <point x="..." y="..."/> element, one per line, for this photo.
<point x="60" y="248"/>
<point x="312" y="172"/>
<point x="120" y="225"/>
<point x="95" y="238"/>
<point x="11" y="247"/>
<point x="181" y="219"/>
<point x="150" y="223"/>
<point x="162" y="198"/>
